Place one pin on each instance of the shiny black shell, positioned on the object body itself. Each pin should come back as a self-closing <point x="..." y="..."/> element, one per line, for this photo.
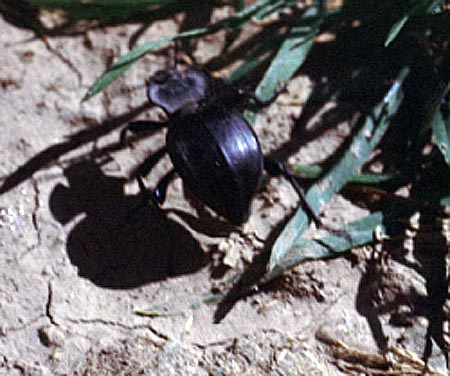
<point x="217" y="154"/>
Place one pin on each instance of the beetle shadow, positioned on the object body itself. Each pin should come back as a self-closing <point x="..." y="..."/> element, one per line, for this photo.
<point x="112" y="244"/>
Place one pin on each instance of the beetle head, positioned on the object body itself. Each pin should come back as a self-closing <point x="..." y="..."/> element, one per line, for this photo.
<point x="173" y="89"/>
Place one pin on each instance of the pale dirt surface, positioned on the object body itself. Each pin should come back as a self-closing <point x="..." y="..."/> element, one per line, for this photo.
<point x="77" y="260"/>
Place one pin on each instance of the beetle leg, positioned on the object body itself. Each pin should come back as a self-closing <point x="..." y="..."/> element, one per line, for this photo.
<point x="144" y="170"/>
<point x="146" y="166"/>
<point x="277" y="168"/>
<point x="159" y="194"/>
<point x="140" y="126"/>
<point x="261" y="103"/>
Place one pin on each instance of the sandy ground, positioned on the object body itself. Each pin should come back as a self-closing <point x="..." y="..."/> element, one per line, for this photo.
<point x="79" y="257"/>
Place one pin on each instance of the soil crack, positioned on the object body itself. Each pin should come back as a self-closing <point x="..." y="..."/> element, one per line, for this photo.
<point x="48" y="305"/>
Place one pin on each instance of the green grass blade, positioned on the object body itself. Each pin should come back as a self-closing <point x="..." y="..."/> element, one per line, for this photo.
<point x="358" y="233"/>
<point x="395" y="30"/>
<point x="421" y="7"/>
<point x="441" y="130"/>
<point x="291" y="55"/>
<point x="315" y="172"/>
<point x="126" y="61"/>
<point x="445" y="201"/>
<point x="121" y="65"/>
<point x="179" y="305"/>
<point x="273" y="7"/>
<point x="362" y="145"/>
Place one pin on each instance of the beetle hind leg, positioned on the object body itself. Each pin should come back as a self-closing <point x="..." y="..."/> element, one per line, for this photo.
<point x="275" y="168"/>
<point x="159" y="194"/>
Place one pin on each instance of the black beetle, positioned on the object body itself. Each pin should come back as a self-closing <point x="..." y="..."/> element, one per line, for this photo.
<point x="212" y="147"/>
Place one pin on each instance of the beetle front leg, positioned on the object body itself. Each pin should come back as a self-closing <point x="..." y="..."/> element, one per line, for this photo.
<point x="140" y="126"/>
<point x="277" y="168"/>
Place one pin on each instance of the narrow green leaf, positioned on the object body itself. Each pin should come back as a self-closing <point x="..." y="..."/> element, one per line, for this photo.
<point x="445" y="201"/>
<point x="362" y="145"/>
<point x="126" y="61"/>
<point x="395" y="30"/>
<point x="314" y="172"/>
<point x="441" y="132"/>
<point x="179" y="305"/>
<point x="291" y="55"/>
<point x="357" y="233"/>
<point x="307" y="172"/>
<point x="273" y="7"/>
<point x="121" y="65"/>
<point x="421" y="7"/>
<point x="433" y="7"/>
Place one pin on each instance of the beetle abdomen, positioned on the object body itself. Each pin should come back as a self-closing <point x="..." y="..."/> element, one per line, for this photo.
<point x="217" y="154"/>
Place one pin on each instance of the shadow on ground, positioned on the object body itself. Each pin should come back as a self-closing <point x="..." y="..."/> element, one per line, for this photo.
<point x="118" y="242"/>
